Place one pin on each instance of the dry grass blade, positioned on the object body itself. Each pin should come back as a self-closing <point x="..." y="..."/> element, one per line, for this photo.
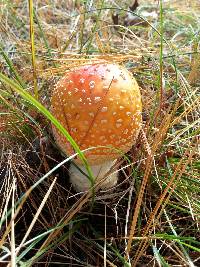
<point x="193" y="75"/>
<point x="100" y="44"/>
<point x="36" y="216"/>
<point x="13" y="254"/>
<point x="67" y="217"/>
<point x="157" y="143"/>
<point x="75" y="60"/>
<point x="138" y="204"/>
<point x="162" y="201"/>
<point x="7" y="196"/>
<point x="18" y="209"/>
<point x="105" y="242"/>
<point x="194" y="105"/>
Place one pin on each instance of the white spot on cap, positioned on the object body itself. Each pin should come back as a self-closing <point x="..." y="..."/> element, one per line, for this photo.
<point x="121" y="107"/>
<point x="104" y="109"/>
<point x="74" y="130"/>
<point x="91" y="74"/>
<point x="119" y="120"/>
<point x="76" y="90"/>
<point x="97" y="99"/>
<point x="103" y="121"/>
<point x="82" y="80"/>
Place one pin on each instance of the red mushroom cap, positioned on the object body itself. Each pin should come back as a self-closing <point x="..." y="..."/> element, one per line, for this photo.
<point x="99" y="105"/>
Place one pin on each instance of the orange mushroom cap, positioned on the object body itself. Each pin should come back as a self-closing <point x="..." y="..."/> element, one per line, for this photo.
<point x="99" y="105"/>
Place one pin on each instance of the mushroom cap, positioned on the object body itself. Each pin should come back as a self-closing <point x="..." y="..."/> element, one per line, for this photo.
<point x="99" y="105"/>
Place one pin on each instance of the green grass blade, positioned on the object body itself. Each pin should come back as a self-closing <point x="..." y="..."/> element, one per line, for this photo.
<point x="161" y="261"/>
<point x="53" y="245"/>
<point x="31" y="15"/>
<point x="181" y="246"/>
<point x="42" y="34"/>
<point x="121" y="258"/>
<point x="95" y="27"/>
<point x="161" y="56"/>
<point x="39" y="238"/>
<point x="13" y="71"/>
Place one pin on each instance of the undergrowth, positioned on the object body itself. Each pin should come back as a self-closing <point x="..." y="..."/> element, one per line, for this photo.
<point x="151" y="218"/>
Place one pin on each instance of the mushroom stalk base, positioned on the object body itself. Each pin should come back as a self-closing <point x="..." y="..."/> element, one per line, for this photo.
<point x="81" y="183"/>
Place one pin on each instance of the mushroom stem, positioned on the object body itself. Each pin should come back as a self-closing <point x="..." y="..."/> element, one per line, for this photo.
<point x="81" y="182"/>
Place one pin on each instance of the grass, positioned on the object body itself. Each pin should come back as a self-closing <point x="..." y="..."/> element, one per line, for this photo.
<point x="152" y="216"/>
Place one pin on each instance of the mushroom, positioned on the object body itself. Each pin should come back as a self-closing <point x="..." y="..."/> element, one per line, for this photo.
<point x="100" y="106"/>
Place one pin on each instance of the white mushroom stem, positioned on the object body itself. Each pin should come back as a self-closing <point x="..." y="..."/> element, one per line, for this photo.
<point x="100" y="172"/>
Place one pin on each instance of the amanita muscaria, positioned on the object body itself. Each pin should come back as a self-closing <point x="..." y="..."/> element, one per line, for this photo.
<point x="100" y="106"/>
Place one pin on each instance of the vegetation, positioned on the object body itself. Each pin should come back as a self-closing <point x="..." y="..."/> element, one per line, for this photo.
<point x="151" y="218"/>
